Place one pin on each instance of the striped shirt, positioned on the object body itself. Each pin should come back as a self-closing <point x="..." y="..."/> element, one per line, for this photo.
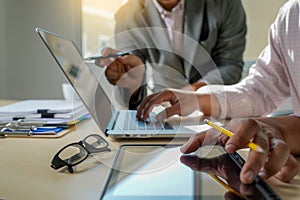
<point x="276" y="74"/>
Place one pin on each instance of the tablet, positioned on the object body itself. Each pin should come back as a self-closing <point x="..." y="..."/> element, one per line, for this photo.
<point x="163" y="172"/>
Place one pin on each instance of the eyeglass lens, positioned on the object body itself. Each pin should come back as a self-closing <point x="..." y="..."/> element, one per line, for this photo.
<point x="95" y="143"/>
<point x="73" y="154"/>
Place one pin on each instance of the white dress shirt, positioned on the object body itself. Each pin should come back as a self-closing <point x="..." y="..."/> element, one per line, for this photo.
<point x="174" y="22"/>
<point x="276" y="74"/>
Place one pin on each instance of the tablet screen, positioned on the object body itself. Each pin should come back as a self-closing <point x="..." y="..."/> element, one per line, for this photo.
<point x="162" y="172"/>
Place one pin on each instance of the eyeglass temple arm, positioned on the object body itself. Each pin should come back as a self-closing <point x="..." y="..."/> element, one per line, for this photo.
<point x="92" y="149"/>
<point x="77" y="156"/>
<point x="56" y="163"/>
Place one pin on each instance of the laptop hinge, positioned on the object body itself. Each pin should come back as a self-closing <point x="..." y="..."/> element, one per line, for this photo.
<point x="112" y="122"/>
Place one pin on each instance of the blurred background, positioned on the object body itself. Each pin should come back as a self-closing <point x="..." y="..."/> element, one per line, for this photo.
<point x="28" y="71"/>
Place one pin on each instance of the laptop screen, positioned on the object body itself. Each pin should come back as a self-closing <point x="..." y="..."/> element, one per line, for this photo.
<point x="82" y="76"/>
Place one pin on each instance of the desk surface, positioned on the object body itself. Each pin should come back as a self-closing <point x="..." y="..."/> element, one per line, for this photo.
<point x="26" y="173"/>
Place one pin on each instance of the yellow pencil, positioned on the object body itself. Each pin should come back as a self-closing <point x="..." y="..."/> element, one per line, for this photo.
<point x="222" y="183"/>
<point x="228" y="133"/>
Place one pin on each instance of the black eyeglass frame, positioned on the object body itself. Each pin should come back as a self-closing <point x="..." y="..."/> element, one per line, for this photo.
<point x="58" y="163"/>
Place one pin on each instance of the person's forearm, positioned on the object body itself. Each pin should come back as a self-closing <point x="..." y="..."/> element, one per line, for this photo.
<point x="289" y="127"/>
<point x="208" y="104"/>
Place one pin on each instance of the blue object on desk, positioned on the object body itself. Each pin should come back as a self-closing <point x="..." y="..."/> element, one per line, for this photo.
<point x="37" y="131"/>
<point x="43" y="130"/>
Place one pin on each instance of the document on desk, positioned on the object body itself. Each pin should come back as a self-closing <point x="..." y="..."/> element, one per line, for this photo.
<point x="74" y="114"/>
<point x="32" y="106"/>
<point x="43" y="110"/>
<point x="40" y="117"/>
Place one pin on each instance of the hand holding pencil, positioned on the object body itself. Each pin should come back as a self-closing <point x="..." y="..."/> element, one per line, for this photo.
<point x="269" y="154"/>
<point x="228" y="133"/>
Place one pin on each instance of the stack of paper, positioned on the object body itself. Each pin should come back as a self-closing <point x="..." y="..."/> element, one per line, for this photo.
<point x="43" y="115"/>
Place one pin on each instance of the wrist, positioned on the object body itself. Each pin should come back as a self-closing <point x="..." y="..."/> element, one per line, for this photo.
<point x="197" y="85"/>
<point x="208" y="104"/>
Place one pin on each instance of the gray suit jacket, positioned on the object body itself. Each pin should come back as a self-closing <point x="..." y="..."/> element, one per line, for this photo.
<point x="218" y="26"/>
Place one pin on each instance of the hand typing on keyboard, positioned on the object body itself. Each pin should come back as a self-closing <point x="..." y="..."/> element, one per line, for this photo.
<point x="150" y="123"/>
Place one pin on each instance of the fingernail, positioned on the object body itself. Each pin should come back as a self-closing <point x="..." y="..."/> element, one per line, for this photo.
<point x="183" y="148"/>
<point x="262" y="174"/>
<point x="249" y="176"/>
<point x="230" y="148"/>
<point x="275" y="142"/>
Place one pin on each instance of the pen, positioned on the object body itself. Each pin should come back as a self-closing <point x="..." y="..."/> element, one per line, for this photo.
<point x="228" y="133"/>
<point x="108" y="56"/>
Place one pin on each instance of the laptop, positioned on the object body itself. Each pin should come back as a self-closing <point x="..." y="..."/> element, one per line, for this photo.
<point x="99" y="96"/>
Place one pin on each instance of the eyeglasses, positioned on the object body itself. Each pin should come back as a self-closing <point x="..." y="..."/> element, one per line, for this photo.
<point x="75" y="153"/>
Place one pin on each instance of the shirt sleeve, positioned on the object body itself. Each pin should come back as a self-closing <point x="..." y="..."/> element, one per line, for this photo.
<point x="267" y="84"/>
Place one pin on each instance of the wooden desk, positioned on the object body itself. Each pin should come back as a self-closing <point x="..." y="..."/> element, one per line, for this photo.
<point x="26" y="173"/>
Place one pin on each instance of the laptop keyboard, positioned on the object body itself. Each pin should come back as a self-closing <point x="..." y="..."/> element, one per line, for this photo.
<point x="132" y="123"/>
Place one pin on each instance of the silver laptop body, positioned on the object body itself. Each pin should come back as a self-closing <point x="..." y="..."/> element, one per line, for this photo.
<point x="98" y="95"/>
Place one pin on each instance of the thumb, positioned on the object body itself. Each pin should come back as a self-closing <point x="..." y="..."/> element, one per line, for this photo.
<point x="131" y="60"/>
<point x="168" y="112"/>
<point x="107" y="51"/>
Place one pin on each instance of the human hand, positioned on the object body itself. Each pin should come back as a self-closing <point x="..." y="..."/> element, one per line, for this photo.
<point x="125" y="71"/>
<point x="221" y="166"/>
<point x="277" y="160"/>
<point x="182" y="103"/>
<point x="106" y="61"/>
